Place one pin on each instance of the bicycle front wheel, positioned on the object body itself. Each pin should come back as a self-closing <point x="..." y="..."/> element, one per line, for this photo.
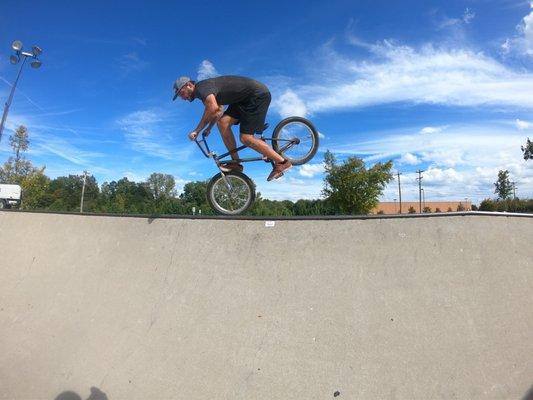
<point x="296" y="139"/>
<point x="230" y="194"/>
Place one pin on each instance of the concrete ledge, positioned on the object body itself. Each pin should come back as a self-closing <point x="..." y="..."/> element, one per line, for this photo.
<point x="283" y="218"/>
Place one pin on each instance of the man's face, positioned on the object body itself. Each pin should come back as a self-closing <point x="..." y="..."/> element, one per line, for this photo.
<point x="186" y="91"/>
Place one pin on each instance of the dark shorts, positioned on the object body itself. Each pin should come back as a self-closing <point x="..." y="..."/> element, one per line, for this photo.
<point x="251" y="113"/>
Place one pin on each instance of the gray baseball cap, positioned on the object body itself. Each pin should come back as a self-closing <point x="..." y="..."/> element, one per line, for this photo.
<point x="180" y="82"/>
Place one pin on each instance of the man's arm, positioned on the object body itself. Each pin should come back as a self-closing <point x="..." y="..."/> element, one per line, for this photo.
<point x="212" y="113"/>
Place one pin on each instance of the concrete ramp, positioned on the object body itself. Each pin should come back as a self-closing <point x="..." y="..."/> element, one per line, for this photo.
<point x="381" y="308"/>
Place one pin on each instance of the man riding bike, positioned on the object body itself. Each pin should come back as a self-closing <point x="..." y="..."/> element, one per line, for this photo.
<point x="247" y="101"/>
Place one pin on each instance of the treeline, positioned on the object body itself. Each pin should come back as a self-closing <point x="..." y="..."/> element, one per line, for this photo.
<point x="157" y="195"/>
<point x="507" y="205"/>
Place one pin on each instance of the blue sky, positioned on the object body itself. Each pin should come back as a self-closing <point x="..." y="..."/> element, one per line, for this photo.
<point x="446" y="87"/>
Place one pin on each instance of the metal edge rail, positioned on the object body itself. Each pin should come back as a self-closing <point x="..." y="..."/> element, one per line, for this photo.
<point x="280" y="218"/>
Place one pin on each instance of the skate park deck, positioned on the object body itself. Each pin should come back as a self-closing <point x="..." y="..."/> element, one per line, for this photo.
<point x="433" y="307"/>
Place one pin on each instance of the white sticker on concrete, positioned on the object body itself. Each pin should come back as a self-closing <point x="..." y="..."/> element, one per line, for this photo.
<point x="270" y="224"/>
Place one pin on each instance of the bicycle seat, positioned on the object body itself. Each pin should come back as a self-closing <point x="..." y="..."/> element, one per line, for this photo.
<point x="261" y="130"/>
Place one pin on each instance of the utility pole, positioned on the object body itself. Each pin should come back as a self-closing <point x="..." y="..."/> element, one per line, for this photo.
<point x="400" y="192"/>
<point x="83" y="190"/>
<point x="514" y="189"/>
<point x="419" y="179"/>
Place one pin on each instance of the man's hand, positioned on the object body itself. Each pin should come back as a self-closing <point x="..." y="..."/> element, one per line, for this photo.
<point x="193" y="135"/>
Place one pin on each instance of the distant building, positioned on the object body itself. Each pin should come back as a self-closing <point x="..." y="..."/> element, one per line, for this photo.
<point x="430" y="206"/>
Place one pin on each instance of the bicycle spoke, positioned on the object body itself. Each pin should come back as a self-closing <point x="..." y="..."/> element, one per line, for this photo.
<point x="231" y="200"/>
<point x="295" y="141"/>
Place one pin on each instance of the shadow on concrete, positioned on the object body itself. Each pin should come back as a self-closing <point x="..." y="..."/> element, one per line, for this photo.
<point x="96" y="394"/>
<point x="529" y="395"/>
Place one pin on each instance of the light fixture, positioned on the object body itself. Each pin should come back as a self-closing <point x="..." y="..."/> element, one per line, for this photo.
<point x="17" y="45"/>
<point x="14" y="59"/>
<point x="36" y="50"/>
<point x="36" y="63"/>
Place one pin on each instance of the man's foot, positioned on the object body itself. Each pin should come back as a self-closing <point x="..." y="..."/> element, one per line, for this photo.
<point x="229" y="167"/>
<point x="278" y="170"/>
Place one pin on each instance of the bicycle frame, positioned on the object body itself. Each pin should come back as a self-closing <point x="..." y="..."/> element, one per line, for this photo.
<point x="219" y="159"/>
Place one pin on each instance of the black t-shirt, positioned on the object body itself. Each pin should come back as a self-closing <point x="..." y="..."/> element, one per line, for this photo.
<point x="229" y="89"/>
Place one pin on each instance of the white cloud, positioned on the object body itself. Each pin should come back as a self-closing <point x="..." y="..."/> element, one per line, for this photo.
<point x="290" y="188"/>
<point x="65" y="150"/>
<point x="528" y="31"/>
<point x="522" y="42"/>
<point x="522" y="125"/>
<point x="466" y="18"/>
<point x="408" y="159"/>
<point x="45" y="143"/>
<point x="134" y="177"/>
<point x="431" y="129"/>
<point x="461" y="162"/>
<point x="143" y="131"/>
<point x="428" y="75"/>
<point x="290" y="104"/>
<point x="207" y="70"/>
<point x="130" y="63"/>
<point x="438" y="176"/>
<point x="310" y="170"/>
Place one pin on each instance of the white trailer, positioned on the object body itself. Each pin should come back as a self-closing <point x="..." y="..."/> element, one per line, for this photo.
<point x="10" y="195"/>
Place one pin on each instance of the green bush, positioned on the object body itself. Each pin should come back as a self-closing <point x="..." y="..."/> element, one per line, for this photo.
<point x="508" y="205"/>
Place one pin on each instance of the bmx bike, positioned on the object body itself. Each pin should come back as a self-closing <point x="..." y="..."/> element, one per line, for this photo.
<point x="232" y="193"/>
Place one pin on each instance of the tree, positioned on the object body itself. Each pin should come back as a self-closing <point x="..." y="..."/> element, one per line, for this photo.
<point x="527" y="150"/>
<point x="17" y="167"/>
<point x="161" y="185"/>
<point x="411" y="210"/>
<point x="503" y="186"/>
<point x="194" y="192"/>
<point x="19" y="142"/>
<point x="162" y="189"/>
<point x="66" y="193"/>
<point x="35" y="191"/>
<point x="350" y="187"/>
<point x="426" y="209"/>
<point x="125" y="196"/>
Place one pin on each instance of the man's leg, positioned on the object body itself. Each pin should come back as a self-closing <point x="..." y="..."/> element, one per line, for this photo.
<point x="280" y="164"/>
<point x="224" y="126"/>
<point x="261" y="147"/>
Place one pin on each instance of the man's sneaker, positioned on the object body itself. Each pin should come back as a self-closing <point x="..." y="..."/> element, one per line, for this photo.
<point x="229" y="167"/>
<point x="278" y="170"/>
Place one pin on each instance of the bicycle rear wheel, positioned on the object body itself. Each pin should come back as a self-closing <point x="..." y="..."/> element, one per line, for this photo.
<point x="296" y="139"/>
<point x="230" y="196"/>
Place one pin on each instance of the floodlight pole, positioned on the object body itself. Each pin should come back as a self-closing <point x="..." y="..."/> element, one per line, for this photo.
<point x="17" y="46"/>
<point x="8" y="103"/>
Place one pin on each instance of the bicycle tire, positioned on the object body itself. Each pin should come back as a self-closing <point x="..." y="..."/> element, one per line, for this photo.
<point x="221" y="200"/>
<point x="311" y="135"/>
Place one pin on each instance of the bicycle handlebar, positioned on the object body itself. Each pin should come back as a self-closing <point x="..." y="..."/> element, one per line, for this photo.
<point x="206" y="151"/>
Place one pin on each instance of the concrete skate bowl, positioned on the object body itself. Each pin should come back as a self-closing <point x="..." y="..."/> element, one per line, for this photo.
<point x="103" y="307"/>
